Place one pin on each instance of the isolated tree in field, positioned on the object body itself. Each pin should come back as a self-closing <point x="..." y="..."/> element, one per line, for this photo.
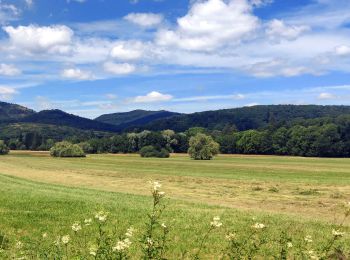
<point x="66" y="149"/>
<point x="3" y="148"/>
<point x="203" y="147"/>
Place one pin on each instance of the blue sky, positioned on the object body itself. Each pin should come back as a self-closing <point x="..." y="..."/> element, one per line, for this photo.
<point x="90" y="57"/>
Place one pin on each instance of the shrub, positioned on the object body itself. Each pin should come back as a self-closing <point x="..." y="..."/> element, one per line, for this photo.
<point x="3" y="148"/>
<point x="66" y="149"/>
<point x="86" y="147"/>
<point x="151" y="151"/>
<point x="203" y="147"/>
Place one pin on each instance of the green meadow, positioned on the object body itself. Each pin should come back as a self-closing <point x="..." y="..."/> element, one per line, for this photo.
<point x="299" y="196"/>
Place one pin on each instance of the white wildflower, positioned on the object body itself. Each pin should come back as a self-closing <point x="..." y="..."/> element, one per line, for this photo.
<point x="161" y="193"/>
<point x="216" y="222"/>
<point x="44" y="235"/>
<point x="308" y="239"/>
<point x="65" y="239"/>
<point x="337" y="233"/>
<point x="289" y="245"/>
<point x="258" y="226"/>
<point x="57" y="241"/>
<point x="231" y="236"/>
<point x="101" y="216"/>
<point x="76" y="227"/>
<point x="88" y="221"/>
<point x="313" y="255"/>
<point x="122" y="245"/>
<point x="156" y="186"/>
<point x="129" y="232"/>
<point x="19" y="245"/>
<point x="93" y="250"/>
<point x="164" y="226"/>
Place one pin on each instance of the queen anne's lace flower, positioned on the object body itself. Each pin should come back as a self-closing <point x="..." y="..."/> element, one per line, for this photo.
<point x="337" y="233"/>
<point x="216" y="222"/>
<point x="65" y="239"/>
<point x="88" y="221"/>
<point x="76" y="227"/>
<point x="289" y="245"/>
<point x="308" y="239"/>
<point x="122" y="245"/>
<point x="101" y="216"/>
<point x="93" y="250"/>
<point x="259" y="226"/>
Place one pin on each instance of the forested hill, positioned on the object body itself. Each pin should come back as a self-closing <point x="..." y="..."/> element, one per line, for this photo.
<point x="134" y="118"/>
<point x="246" y="117"/>
<point x="58" y="117"/>
<point x="13" y="112"/>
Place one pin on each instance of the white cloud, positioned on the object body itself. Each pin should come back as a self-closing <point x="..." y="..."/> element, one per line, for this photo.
<point x="326" y="96"/>
<point x="342" y="50"/>
<point x="278" y="30"/>
<point x="153" y="96"/>
<point x="144" y="19"/>
<point x="8" y="12"/>
<point x="119" y="68"/>
<point x="7" y="92"/>
<point x="77" y="74"/>
<point x="259" y="3"/>
<point x="9" y="70"/>
<point x="35" y="39"/>
<point x="127" y="50"/>
<point x="211" y="24"/>
<point x="29" y="3"/>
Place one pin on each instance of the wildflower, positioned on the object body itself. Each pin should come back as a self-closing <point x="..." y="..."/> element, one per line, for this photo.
<point x="308" y="239"/>
<point x="230" y="236"/>
<point x="44" y="235"/>
<point x="313" y="255"/>
<point x="88" y="221"/>
<point x="164" y="226"/>
<point x="216" y="222"/>
<point x="161" y="193"/>
<point x="93" y="250"/>
<point x="101" y="216"/>
<point x="122" y="245"/>
<point x="289" y="245"/>
<point x="149" y="241"/>
<point x="129" y="232"/>
<point x="258" y="226"/>
<point x="76" y="227"/>
<point x="337" y="233"/>
<point x="57" y="241"/>
<point x="156" y="186"/>
<point x="19" y="245"/>
<point x="65" y="239"/>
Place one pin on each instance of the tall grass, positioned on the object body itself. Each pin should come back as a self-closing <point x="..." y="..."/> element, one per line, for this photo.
<point x="95" y="237"/>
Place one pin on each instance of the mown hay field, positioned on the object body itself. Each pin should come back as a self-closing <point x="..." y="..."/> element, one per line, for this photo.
<point x="40" y="194"/>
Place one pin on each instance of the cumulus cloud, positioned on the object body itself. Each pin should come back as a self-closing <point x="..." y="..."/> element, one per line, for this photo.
<point x="127" y="50"/>
<point x="9" y="70"/>
<point x="77" y="74"/>
<point x="35" y="39"/>
<point x="119" y="68"/>
<point x="7" y="92"/>
<point x="153" y="96"/>
<point x="278" y="30"/>
<point x="342" y="50"/>
<point x="144" y="19"/>
<point x="326" y="96"/>
<point x="211" y="24"/>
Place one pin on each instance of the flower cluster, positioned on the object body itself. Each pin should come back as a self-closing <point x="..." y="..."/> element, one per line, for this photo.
<point x="101" y="216"/>
<point x="337" y="233"/>
<point x="216" y="223"/>
<point x="76" y="227"/>
<point x="308" y="239"/>
<point x="259" y="226"/>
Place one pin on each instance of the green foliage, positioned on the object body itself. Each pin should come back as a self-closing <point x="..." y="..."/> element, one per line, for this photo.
<point x="203" y="147"/>
<point x="151" y="151"/>
<point x="3" y="148"/>
<point x="66" y="149"/>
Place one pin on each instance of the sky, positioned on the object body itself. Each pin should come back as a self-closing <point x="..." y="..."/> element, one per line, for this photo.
<point x="92" y="57"/>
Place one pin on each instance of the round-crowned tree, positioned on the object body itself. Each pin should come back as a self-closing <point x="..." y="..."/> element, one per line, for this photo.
<point x="151" y="151"/>
<point x="203" y="147"/>
<point x="66" y="149"/>
<point x="3" y="148"/>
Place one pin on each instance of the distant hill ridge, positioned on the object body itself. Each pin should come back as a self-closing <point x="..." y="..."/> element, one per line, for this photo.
<point x="243" y="118"/>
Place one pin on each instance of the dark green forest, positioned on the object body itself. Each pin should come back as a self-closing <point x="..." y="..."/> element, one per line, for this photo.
<point x="322" y="131"/>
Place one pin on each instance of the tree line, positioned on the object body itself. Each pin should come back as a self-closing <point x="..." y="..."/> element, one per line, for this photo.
<point x="321" y="137"/>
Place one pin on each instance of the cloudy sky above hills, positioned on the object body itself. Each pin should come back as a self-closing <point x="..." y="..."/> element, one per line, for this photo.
<point x="90" y="57"/>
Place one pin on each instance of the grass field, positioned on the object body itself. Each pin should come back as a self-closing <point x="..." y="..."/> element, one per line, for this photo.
<point x="43" y="194"/>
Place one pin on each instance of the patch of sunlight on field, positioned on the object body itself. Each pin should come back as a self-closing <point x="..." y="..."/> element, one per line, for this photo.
<point x="308" y="187"/>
